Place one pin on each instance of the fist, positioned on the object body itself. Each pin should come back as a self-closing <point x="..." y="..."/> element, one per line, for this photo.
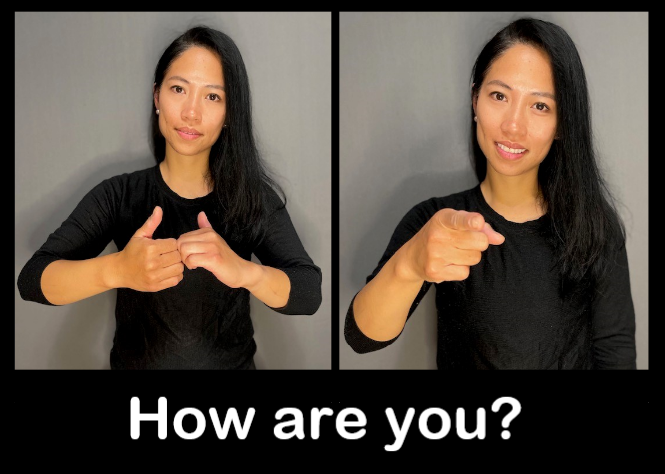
<point x="147" y="264"/>
<point x="205" y="248"/>
<point x="446" y="247"/>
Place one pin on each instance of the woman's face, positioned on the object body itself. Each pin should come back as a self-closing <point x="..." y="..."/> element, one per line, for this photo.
<point x="192" y="102"/>
<point x="516" y="111"/>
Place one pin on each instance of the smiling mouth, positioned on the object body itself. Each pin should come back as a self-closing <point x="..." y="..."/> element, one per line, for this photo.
<point x="515" y="151"/>
<point x="508" y="153"/>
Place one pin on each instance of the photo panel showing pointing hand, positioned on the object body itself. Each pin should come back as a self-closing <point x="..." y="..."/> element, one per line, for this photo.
<point x="491" y="206"/>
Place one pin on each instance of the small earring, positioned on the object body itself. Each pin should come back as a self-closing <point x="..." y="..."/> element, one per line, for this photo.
<point x="475" y="119"/>
<point x="157" y="111"/>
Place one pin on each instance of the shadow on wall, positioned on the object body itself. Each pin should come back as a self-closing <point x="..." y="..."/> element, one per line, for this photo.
<point x="416" y="346"/>
<point x="85" y="336"/>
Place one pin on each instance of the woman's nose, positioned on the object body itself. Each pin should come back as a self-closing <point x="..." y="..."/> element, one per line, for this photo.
<point x="514" y="123"/>
<point x="191" y="109"/>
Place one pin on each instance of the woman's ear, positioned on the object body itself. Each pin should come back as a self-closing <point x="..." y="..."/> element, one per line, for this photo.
<point x="155" y="95"/>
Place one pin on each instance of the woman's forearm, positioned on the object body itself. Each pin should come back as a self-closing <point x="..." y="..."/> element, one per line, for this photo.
<point x="270" y="285"/>
<point x="68" y="281"/>
<point x="382" y="306"/>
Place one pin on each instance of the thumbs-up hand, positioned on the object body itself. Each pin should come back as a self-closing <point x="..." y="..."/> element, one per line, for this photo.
<point x="147" y="264"/>
<point x="446" y="247"/>
<point x="150" y="226"/>
<point x="205" y="248"/>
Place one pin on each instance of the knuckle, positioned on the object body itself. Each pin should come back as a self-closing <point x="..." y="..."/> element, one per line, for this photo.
<point x="441" y="218"/>
<point x="484" y="241"/>
<point x="453" y="219"/>
<point x="470" y="218"/>
<point x="434" y="254"/>
<point x="439" y="236"/>
<point x="464" y="272"/>
<point x="432" y="237"/>
<point x="430" y="271"/>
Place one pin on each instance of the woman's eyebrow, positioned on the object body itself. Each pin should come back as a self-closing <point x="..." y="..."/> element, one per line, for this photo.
<point x="180" y="78"/>
<point x="503" y="84"/>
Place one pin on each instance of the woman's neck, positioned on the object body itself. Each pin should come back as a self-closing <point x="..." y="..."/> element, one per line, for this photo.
<point x="515" y="198"/>
<point x="186" y="175"/>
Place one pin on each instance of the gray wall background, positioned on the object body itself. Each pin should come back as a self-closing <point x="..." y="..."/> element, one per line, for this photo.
<point x="404" y="108"/>
<point x="83" y="99"/>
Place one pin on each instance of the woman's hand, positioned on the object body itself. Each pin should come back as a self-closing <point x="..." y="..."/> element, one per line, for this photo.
<point x="446" y="247"/>
<point x="207" y="249"/>
<point x="146" y="264"/>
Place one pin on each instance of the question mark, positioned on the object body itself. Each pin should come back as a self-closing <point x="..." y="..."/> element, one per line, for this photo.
<point x="517" y="408"/>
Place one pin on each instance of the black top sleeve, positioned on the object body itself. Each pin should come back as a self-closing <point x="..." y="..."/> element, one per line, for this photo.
<point x="511" y="302"/>
<point x="409" y="226"/>
<point x="83" y="235"/>
<point x="613" y="318"/>
<point x="281" y="248"/>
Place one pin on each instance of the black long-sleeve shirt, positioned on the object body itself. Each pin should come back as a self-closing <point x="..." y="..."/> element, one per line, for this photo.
<point x="200" y="323"/>
<point x="509" y="312"/>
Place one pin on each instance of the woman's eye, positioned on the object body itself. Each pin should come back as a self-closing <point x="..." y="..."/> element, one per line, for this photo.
<point x="177" y="89"/>
<point x="214" y="97"/>
<point x="542" y="107"/>
<point x="498" y="95"/>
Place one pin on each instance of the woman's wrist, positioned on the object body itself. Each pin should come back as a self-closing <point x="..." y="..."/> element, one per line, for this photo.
<point x="402" y="265"/>
<point x="253" y="274"/>
<point x="111" y="271"/>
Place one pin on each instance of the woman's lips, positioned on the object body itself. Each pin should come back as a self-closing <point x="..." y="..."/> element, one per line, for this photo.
<point x="188" y="136"/>
<point x="508" y="155"/>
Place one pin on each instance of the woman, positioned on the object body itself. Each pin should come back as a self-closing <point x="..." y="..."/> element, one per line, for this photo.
<point x="530" y="265"/>
<point x="186" y="228"/>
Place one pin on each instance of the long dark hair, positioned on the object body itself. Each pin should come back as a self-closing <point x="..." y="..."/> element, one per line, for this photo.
<point x="239" y="177"/>
<point x="586" y="227"/>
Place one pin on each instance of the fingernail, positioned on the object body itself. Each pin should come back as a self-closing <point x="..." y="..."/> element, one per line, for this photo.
<point x="476" y="222"/>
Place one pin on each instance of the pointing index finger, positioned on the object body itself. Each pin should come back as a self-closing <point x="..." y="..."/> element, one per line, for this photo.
<point x="461" y="220"/>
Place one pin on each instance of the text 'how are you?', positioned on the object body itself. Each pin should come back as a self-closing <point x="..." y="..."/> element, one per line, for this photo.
<point x="350" y="423"/>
